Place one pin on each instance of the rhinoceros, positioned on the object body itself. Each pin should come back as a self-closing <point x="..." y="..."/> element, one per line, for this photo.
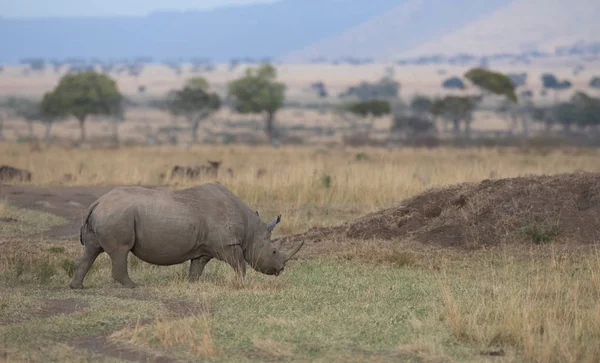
<point x="165" y="227"/>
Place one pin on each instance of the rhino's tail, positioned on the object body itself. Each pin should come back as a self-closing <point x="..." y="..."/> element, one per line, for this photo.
<point x="85" y="223"/>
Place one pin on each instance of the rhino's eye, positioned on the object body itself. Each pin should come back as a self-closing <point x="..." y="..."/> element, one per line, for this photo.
<point x="274" y="252"/>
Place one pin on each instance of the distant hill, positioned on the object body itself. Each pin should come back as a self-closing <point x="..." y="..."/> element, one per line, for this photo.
<point x="418" y="28"/>
<point x="305" y="30"/>
<point x="256" y="31"/>
<point x="406" y="26"/>
<point x="523" y="26"/>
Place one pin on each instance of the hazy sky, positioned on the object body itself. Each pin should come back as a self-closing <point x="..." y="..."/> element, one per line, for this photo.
<point x="35" y="8"/>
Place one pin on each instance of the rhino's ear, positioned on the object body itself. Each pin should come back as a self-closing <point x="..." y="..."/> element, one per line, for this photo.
<point x="257" y="213"/>
<point x="271" y="225"/>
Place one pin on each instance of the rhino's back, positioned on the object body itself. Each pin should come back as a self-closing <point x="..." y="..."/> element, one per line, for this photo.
<point x="212" y="199"/>
<point x="218" y="206"/>
<point x="171" y="226"/>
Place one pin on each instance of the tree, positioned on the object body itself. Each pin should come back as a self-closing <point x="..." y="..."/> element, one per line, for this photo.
<point x="50" y="110"/>
<point x="421" y="105"/>
<point x="375" y="108"/>
<point x="518" y="79"/>
<point x="194" y="102"/>
<point x="87" y="93"/>
<point x="117" y="117"/>
<point x="385" y="88"/>
<point x="581" y="111"/>
<point x="453" y="83"/>
<point x="565" y="113"/>
<point x="455" y="109"/>
<point x="549" y="81"/>
<point x="28" y="110"/>
<point x="493" y="82"/>
<point x="587" y="110"/>
<point x="259" y="92"/>
<point x="320" y="89"/>
<point x="367" y="111"/>
<point x="501" y="85"/>
<point x="418" y="121"/>
<point x="36" y="64"/>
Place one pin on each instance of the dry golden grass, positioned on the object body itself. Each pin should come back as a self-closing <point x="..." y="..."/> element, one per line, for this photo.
<point x="308" y="186"/>
<point x="548" y="309"/>
<point x="299" y="171"/>
<point x="191" y="334"/>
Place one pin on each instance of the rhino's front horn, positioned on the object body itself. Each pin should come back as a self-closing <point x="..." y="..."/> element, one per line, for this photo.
<point x="291" y="254"/>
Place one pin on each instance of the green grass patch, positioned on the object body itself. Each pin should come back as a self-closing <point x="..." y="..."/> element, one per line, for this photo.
<point x="19" y="222"/>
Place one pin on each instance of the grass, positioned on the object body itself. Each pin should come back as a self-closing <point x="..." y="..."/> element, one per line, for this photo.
<point x="346" y="300"/>
<point x="546" y="308"/>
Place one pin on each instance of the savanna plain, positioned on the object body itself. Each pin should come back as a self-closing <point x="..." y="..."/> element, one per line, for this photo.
<point x="340" y="299"/>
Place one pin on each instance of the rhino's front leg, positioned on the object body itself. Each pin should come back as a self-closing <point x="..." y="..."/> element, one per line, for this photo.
<point x="235" y="258"/>
<point x="197" y="266"/>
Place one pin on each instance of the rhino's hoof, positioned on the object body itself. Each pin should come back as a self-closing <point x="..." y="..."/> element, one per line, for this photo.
<point x="76" y="286"/>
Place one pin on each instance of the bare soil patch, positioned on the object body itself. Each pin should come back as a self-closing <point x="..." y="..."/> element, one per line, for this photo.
<point x="49" y="308"/>
<point x="563" y="208"/>
<point x="101" y="345"/>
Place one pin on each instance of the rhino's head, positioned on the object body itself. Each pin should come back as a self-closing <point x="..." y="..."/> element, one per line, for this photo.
<point x="263" y="255"/>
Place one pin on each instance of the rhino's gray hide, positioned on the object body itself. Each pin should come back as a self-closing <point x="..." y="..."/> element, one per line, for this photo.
<point x="170" y="227"/>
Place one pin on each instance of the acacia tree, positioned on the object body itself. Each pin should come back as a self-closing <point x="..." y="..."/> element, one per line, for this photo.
<point x="549" y="81"/>
<point x="386" y="88"/>
<point x="372" y="109"/>
<point x="87" y="93"/>
<point x="365" y="110"/>
<point x="421" y="106"/>
<point x="583" y="112"/>
<point x="50" y="110"/>
<point x="456" y="109"/>
<point x="417" y="120"/>
<point x="194" y="102"/>
<point x="500" y="85"/>
<point x="453" y="83"/>
<point x="259" y="92"/>
<point x="29" y="111"/>
<point x="492" y="82"/>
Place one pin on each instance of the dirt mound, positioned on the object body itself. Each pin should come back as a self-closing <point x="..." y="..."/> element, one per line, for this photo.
<point x="539" y="209"/>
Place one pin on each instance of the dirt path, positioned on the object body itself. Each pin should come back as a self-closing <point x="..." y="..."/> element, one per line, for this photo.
<point x="68" y="202"/>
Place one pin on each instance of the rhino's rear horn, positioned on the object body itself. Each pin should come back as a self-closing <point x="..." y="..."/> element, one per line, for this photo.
<point x="271" y="225"/>
<point x="291" y="254"/>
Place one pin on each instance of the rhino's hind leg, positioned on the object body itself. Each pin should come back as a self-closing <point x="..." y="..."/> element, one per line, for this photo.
<point x="89" y="255"/>
<point x="118" y="258"/>
<point x="197" y="266"/>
